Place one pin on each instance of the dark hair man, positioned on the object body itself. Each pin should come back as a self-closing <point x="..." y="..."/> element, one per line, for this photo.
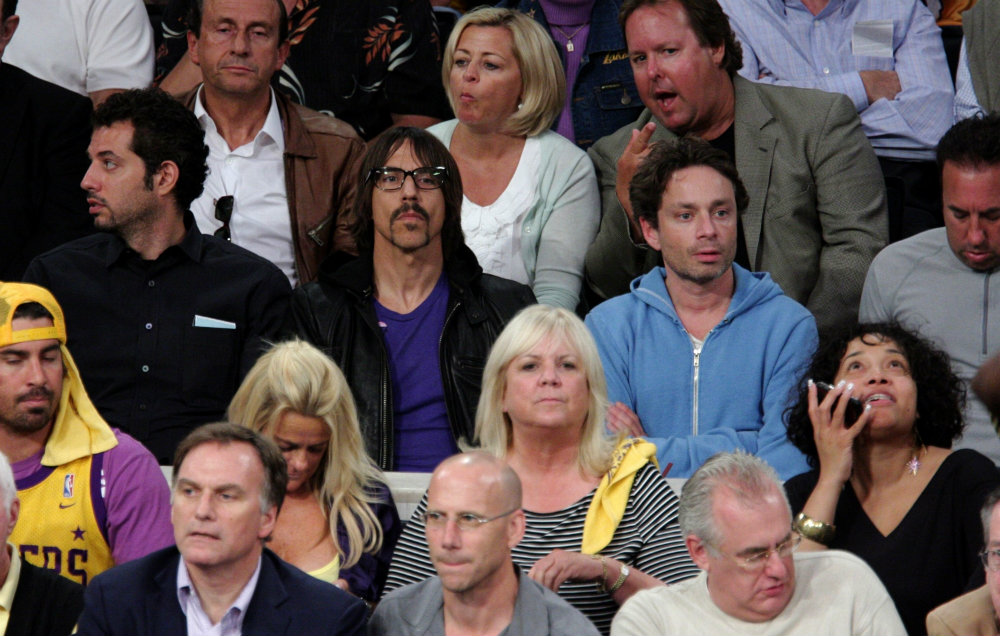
<point x="703" y="354"/>
<point x="941" y="282"/>
<point x="91" y="496"/>
<point x="166" y="321"/>
<point x="817" y="211"/>
<point x="738" y="529"/>
<point x="282" y="176"/>
<point x="411" y="320"/>
<point x="228" y="485"/>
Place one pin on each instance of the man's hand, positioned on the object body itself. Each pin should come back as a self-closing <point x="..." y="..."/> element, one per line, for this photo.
<point x="628" y="163"/>
<point x="879" y="84"/>
<point x="622" y="418"/>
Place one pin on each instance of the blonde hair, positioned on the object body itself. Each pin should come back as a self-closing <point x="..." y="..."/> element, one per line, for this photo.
<point x="297" y="377"/>
<point x="523" y="333"/>
<point x="543" y="80"/>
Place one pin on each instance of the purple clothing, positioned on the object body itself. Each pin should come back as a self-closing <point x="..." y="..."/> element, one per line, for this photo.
<point x="423" y="434"/>
<point x="136" y="498"/>
<point x="569" y="18"/>
<point x="367" y="576"/>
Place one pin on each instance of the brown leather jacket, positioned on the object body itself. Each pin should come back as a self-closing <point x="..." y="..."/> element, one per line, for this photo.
<point x="322" y="158"/>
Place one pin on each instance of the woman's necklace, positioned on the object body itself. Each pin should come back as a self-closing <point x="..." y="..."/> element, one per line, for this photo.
<point x="914" y="464"/>
<point x="569" y="38"/>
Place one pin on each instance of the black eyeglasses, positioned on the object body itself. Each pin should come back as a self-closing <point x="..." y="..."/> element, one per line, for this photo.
<point x="224" y="213"/>
<point x="391" y="179"/>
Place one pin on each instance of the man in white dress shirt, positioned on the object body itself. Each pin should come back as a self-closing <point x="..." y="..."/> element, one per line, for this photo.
<point x="281" y="175"/>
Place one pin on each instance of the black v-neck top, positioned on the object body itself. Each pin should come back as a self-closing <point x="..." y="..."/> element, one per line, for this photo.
<point x="931" y="556"/>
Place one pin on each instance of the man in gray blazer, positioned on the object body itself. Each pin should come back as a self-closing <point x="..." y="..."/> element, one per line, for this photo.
<point x="817" y="213"/>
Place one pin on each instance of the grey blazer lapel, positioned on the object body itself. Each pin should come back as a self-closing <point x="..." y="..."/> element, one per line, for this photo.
<point x="754" y="155"/>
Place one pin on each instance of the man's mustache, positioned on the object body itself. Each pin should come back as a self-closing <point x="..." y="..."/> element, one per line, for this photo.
<point x="409" y="207"/>
<point x="36" y="393"/>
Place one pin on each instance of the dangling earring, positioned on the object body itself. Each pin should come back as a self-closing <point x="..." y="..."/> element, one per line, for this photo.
<point x="519" y="105"/>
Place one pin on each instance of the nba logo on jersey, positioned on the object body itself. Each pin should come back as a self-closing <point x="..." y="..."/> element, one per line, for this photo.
<point x="68" y="486"/>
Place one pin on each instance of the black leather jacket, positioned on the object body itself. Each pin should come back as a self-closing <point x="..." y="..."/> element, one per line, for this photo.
<point x="337" y="315"/>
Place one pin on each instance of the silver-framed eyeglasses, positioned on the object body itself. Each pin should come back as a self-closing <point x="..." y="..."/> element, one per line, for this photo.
<point x="464" y="520"/>
<point x="391" y="179"/>
<point x="991" y="559"/>
<point x="755" y="561"/>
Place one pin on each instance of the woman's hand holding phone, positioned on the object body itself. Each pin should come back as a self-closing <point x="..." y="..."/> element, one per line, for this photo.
<point x="834" y="439"/>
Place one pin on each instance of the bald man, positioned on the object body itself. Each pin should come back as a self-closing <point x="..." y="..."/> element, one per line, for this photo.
<point x="473" y="519"/>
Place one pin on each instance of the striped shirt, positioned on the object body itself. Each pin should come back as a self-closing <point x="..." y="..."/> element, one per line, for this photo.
<point x="648" y="539"/>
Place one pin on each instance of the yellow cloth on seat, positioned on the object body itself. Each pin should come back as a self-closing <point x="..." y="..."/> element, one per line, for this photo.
<point x="608" y="505"/>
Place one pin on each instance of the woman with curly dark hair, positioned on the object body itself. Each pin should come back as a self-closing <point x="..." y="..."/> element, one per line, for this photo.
<point x="887" y="486"/>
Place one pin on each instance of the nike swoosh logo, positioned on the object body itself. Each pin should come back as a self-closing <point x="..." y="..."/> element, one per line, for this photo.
<point x="67" y="506"/>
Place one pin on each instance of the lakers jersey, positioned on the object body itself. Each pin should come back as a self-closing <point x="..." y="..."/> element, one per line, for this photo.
<point x="63" y="519"/>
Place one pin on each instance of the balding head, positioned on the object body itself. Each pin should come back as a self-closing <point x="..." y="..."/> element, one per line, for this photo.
<point x="473" y="520"/>
<point x="496" y="479"/>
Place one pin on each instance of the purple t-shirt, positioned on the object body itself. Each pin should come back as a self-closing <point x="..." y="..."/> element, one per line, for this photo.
<point x="136" y="498"/>
<point x="420" y="416"/>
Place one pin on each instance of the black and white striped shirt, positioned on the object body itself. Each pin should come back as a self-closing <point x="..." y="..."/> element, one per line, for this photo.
<point x="648" y="539"/>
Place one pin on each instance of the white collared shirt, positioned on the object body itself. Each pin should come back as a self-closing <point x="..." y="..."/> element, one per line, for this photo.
<point x="254" y="174"/>
<point x="198" y="622"/>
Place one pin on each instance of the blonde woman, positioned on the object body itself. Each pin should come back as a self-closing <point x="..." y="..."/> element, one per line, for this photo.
<point x="601" y="522"/>
<point x="338" y="521"/>
<point x="531" y="206"/>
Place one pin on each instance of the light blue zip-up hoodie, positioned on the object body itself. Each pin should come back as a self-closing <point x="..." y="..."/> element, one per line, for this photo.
<point x="733" y="395"/>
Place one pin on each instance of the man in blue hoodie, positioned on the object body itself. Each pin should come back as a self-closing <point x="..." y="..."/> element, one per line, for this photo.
<point x="702" y="355"/>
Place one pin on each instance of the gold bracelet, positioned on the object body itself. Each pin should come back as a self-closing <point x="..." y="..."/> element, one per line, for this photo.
<point x="818" y="531"/>
<point x="602" y="582"/>
<point x="622" y="575"/>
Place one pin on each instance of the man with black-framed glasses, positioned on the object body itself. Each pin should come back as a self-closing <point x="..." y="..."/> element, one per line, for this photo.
<point x="411" y="320"/>
<point x="738" y="529"/>
<point x="975" y="613"/>
<point x="472" y="520"/>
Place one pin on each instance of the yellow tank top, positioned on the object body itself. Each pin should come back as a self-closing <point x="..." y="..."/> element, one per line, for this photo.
<point x="329" y="572"/>
<point x="58" y="527"/>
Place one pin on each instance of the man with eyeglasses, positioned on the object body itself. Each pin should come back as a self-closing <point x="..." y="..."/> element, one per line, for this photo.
<point x="165" y="320"/>
<point x="281" y="176"/>
<point x="411" y="320"/>
<point x="738" y="529"/>
<point x="472" y="521"/>
<point x="975" y="613"/>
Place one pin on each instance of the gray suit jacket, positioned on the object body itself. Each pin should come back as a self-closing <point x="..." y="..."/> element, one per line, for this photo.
<point x="418" y="610"/>
<point x="817" y="212"/>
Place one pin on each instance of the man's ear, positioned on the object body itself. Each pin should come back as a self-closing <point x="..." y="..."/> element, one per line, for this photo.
<point x="283" y="50"/>
<point x="650" y="233"/>
<point x="516" y="527"/>
<point x="698" y="551"/>
<point x="165" y="178"/>
<point x="718" y="54"/>
<point x="269" y="519"/>
<point x="7" y="28"/>
<point x="192" y="39"/>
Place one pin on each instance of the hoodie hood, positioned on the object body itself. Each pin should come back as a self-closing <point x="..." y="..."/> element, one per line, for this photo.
<point x="751" y="289"/>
